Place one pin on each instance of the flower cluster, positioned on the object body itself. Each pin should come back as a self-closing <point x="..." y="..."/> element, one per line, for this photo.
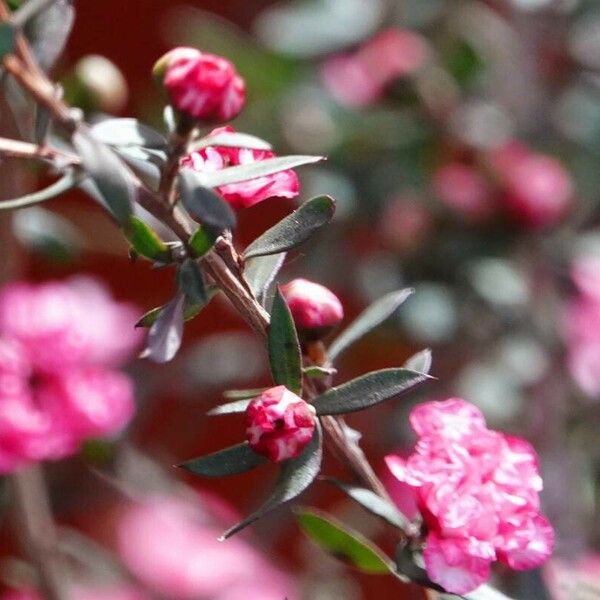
<point x="582" y="326"/>
<point x="283" y="184"/>
<point x="59" y="343"/>
<point x="279" y="424"/>
<point x="477" y="490"/>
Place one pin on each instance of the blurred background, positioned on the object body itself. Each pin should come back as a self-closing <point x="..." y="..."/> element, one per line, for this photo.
<point x="463" y="145"/>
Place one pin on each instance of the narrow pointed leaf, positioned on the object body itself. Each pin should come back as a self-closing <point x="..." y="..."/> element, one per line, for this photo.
<point x="164" y="337"/>
<point x="231" y="408"/>
<point x="202" y="241"/>
<point x="205" y="204"/>
<point x="374" y="503"/>
<point x="232" y="140"/>
<point x="294" y="229"/>
<point x="344" y="543"/>
<point x="230" y="461"/>
<point x="7" y="39"/>
<point x="71" y="179"/>
<point x="295" y="476"/>
<point x="190" y="282"/>
<point x="255" y="169"/>
<point x="110" y="175"/>
<point x="370" y="318"/>
<point x="315" y="372"/>
<point x="189" y="310"/>
<point x="243" y="394"/>
<point x="283" y="347"/>
<point x="128" y="132"/>
<point x="421" y="361"/>
<point x="145" y="240"/>
<point x="367" y="390"/>
<point x="260" y="272"/>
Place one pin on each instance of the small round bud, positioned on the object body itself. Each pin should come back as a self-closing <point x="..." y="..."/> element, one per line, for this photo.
<point x="203" y="86"/>
<point x="279" y="424"/>
<point x="315" y="309"/>
<point x="101" y="86"/>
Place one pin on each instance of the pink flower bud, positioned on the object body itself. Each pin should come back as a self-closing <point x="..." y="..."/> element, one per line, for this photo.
<point x="315" y="309"/>
<point x="204" y="86"/>
<point x="279" y="424"/>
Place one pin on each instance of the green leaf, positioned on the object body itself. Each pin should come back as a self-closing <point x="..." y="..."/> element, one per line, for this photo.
<point x="164" y="337"/>
<point x="294" y="229"/>
<point x="128" y="132"/>
<point x="253" y="170"/>
<point x="110" y="175"/>
<point x="372" y="316"/>
<point x="243" y="394"/>
<point x="204" y="203"/>
<point x="421" y="361"/>
<point x="283" y="347"/>
<point x="230" y="461"/>
<point x="202" y="241"/>
<point x="315" y="372"/>
<point x="295" y="476"/>
<point x="367" y="390"/>
<point x="145" y="240"/>
<point x="189" y="311"/>
<point x="190" y="282"/>
<point x="374" y="503"/>
<point x="343" y="542"/>
<point x="7" y="39"/>
<point x="260" y="272"/>
<point x="230" y="139"/>
<point x="231" y="408"/>
<point x="71" y="179"/>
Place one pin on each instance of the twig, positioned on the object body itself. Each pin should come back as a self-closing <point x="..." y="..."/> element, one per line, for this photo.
<point x="18" y="149"/>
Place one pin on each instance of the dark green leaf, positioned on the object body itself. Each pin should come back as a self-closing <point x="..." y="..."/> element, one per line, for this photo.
<point x="71" y="179"/>
<point x="295" y="476"/>
<point x="145" y="240"/>
<point x="253" y="170"/>
<point x="164" y="337"/>
<point x="110" y="175"/>
<point x="230" y="461"/>
<point x="231" y="408"/>
<point x="243" y="394"/>
<point x="294" y="229"/>
<point x="146" y="162"/>
<point x="315" y="372"/>
<point x="202" y="241"/>
<point x="374" y="503"/>
<point x="128" y="132"/>
<point x="189" y="311"/>
<point x="284" y="349"/>
<point x="343" y="542"/>
<point x="367" y="390"/>
<point x="7" y="39"/>
<point x="204" y="203"/>
<point x="421" y="361"/>
<point x="30" y="10"/>
<point x="261" y="271"/>
<point x="230" y="139"/>
<point x="372" y="316"/>
<point x="190" y="282"/>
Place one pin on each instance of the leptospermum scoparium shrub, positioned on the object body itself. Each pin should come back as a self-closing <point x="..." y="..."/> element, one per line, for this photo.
<point x="476" y="489"/>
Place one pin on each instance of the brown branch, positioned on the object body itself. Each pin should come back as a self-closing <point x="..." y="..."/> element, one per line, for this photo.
<point x="19" y="149"/>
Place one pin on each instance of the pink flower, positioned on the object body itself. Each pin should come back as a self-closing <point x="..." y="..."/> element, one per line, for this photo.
<point x="168" y="546"/>
<point x="477" y="491"/>
<point x="313" y="306"/>
<point x="359" y="79"/>
<point x="58" y="344"/>
<point x="279" y="424"/>
<point x="204" y="86"/>
<point x="243" y="194"/>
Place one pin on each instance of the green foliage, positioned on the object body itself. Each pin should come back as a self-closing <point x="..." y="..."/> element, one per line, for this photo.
<point x="164" y="337"/>
<point x="145" y="240"/>
<point x="7" y="39"/>
<point x="190" y="282"/>
<point x="229" y="461"/>
<point x="201" y="241"/>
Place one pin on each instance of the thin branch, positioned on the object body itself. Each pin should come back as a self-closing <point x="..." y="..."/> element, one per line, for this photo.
<point x="19" y="149"/>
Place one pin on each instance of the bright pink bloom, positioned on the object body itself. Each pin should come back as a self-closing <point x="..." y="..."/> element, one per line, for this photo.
<point x="168" y="545"/>
<point x="477" y="490"/>
<point x="465" y="190"/>
<point x="360" y="78"/>
<point x="243" y="194"/>
<point x="204" y="86"/>
<point x="58" y="344"/>
<point x="279" y="424"/>
<point x="313" y="306"/>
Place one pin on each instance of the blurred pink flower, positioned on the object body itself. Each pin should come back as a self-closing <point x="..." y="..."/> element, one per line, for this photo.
<point x="121" y="592"/>
<point x="58" y="344"/>
<point x="166" y="546"/>
<point x="359" y="79"/>
<point x="573" y="579"/>
<point x="205" y="86"/>
<point x="477" y="490"/>
<point x="243" y="194"/>
<point x="279" y="424"/>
